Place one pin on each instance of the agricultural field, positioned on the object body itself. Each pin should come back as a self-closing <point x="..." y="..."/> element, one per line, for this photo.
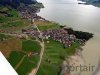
<point x="9" y="45"/>
<point x="54" y="54"/>
<point x="22" y="54"/>
<point x="10" y="20"/>
<point x="44" y="25"/>
<point x="30" y="46"/>
<point x="27" y="65"/>
<point x="15" y="58"/>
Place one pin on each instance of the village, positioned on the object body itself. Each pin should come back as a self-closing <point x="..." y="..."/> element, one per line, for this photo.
<point x="59" y="35"/>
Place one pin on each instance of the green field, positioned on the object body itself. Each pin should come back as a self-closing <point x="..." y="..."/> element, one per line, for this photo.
<point x="48" y="26"/>
<point x="8" y="14"/>
<point x="48" y="69"/>
<point x="15" y="57"/>
<point x="10" y="19"/>
<point x="53" y="57"/>
<point x="44" y="25"/>
<point x="20" y="60"/>
<point x="30" y="46"/>
<point x="27" y="65"/>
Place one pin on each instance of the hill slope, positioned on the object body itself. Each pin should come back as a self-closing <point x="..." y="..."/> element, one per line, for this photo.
<point x="93" y="2"/>
<point x="16" y="3"/>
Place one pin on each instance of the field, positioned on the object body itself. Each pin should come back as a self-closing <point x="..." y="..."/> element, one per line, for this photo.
<point x="15" y="57"/>
<point x="30" y="46"/>
<point x="44" y="25"/>
<point x="10" y="20"/>
<point x="12" y="44"/>
<point x="27" y="65"/>
<point x="53" y="56"/>
<point x="17" y="51"/>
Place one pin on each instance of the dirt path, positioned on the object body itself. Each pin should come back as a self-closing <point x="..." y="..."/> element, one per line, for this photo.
<point x="42" y="52"/>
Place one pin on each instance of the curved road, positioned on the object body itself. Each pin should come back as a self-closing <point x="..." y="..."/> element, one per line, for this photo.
<point x="42" y="50"/>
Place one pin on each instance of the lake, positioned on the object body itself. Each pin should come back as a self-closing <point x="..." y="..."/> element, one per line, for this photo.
<point x="79" y="17"/>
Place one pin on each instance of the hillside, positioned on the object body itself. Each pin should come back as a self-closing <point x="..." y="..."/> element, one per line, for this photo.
<point x="93" y="2"/>
<point x="16" y="3"/>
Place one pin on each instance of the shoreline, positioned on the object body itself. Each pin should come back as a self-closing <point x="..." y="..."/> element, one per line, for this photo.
<point x="74" y="61"/>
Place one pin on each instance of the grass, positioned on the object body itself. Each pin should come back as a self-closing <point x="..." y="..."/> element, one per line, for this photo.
<point x="12" y="48"/>
<point x="53" y="26"/>
<point x="43" y="25"/>
<point x="13" y="24"/>
<point x="52" y="57"/>
<point x="48" y="69"/>
<point x="13" y="13"/>
<point x="15" y="58"/>
<point x="4" y="37"/>
<point x="27" y="65"/>
<point x="30" y="46"/>
<point x="10" y="20"/>
<point x="8" y="15"/>
<point x="54" y="50"/>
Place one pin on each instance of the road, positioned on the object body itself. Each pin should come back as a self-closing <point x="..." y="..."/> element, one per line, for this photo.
<point x="42" y="50"/>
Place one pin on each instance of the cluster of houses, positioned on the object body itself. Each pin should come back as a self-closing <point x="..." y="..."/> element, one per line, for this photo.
<point x="31" y="32"/>
<point x="29" y="13"/>
<point x="59" y="35"/>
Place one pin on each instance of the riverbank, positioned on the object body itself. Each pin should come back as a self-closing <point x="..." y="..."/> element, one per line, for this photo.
<point x="92" y="2"/>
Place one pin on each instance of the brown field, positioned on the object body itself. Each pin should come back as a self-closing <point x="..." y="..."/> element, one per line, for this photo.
<point x="43" y="23"/>
<point x="10" y="45"/>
